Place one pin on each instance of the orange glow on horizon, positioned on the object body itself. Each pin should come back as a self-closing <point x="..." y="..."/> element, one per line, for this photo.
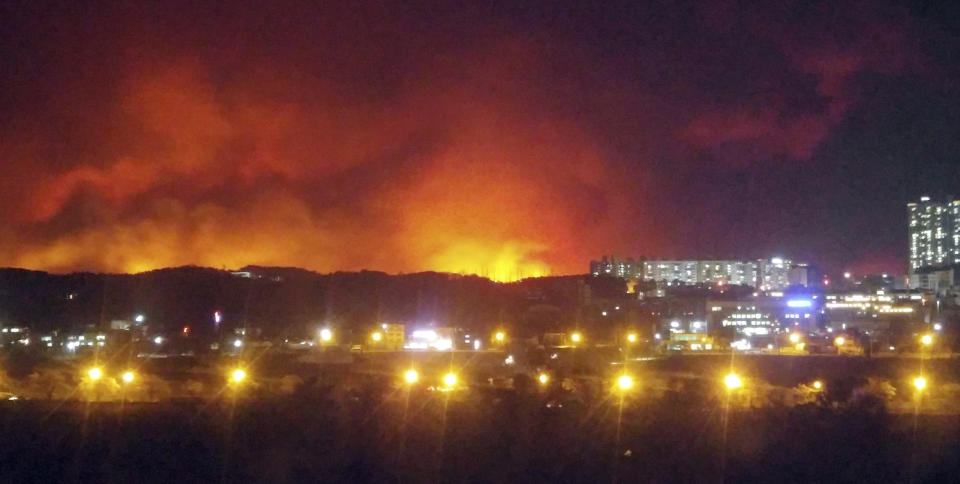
<point x="503" y="194"/>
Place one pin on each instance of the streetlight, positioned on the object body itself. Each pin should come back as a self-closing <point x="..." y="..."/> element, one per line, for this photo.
<point x="632" y="337"/>
<point x="732" y="381"/>
<point x="127" y="376"/>
<point x="575" y="337"/>
<point x="376" y="336"/>
<point x="817" y="385"/>
<point x="927" y="340"/>
<point x="326" y="335"/>
<point x="499" y="337"/>
<point x="625" y="382"/>
<point x="95" y="373"/>
<point x="238" y="375"/>
<point x="839" y="341"/>
<point x="450" y="379"/>
<point x="795" y="338"/>
<point x="411" y="376"/>
<point x="543" y="378"/>
<point x="920" y="383"/>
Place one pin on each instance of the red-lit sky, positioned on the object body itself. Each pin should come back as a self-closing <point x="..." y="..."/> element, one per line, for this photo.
<point x="504" y="139"/>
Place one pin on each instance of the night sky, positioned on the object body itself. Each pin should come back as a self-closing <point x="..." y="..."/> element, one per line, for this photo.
<point x="496" y="138"/>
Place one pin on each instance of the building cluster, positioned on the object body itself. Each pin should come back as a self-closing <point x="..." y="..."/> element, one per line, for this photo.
<point x="934" y="230"/>
<point x="764" y="274"/>
<point x="872" y="313"/>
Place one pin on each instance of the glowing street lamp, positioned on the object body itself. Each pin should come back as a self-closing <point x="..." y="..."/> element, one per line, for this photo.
<point x="499" y="337"/>
<point x="632" y="337"/>
<point x="127" y="376"/>
<point x="817" y="385"/>
<point x="450" y="380"/>
<point x="795" y="338"/>
<point x="576" y="337"/>
<point x="238" y="375"/>
<point x="326" y="335"/>
<point x="543" y="378"/>
<point x="376" y="336"/>
<point x="411" y="376"/>
<point x="920" y="383"/>
<point x="95" y="373"/>
<point x="625" y="382"/>
<point x="839" y="341"/>
<point x="927" y="340"/>
<point x="732" y="381"/>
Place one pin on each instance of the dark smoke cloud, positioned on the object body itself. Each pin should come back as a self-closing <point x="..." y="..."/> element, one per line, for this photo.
<point x="507" y="141"/>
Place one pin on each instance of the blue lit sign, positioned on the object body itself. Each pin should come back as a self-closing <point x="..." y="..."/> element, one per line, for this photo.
<point x="799" y="303"/>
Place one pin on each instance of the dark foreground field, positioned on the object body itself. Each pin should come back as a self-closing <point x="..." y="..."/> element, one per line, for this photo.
<point x="375" y="432"/>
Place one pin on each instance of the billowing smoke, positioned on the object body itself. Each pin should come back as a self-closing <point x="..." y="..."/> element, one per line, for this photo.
<point x="503" y="142"/>
<point x="452" y="172"/>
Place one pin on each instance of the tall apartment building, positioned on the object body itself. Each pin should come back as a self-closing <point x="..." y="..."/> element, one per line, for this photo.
<point x="774" y="273"/>
<point x="934" y="230"/>
<point x="611" y="266"/>
<point x="766" y="274"/>
<point x="683" y="271"/>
